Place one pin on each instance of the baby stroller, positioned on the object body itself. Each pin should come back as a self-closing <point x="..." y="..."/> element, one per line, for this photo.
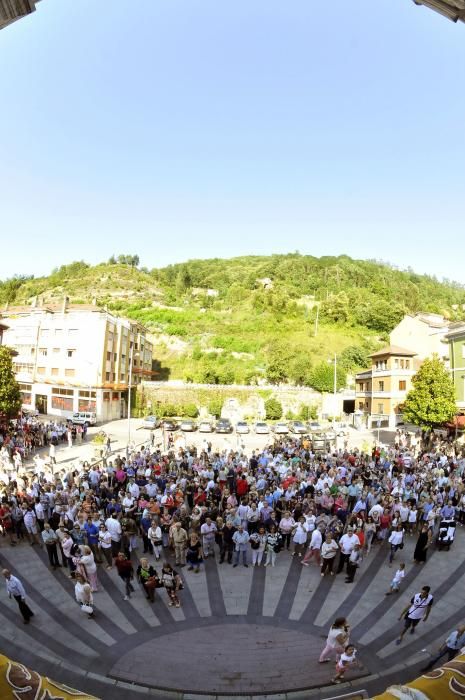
<point x="446" y="534"/>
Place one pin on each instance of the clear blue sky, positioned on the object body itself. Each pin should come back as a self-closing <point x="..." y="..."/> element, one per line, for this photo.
<point x="199" y="128"/>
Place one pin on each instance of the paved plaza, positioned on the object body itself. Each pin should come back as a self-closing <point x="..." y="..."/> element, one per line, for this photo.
<point x="239" y="631"/>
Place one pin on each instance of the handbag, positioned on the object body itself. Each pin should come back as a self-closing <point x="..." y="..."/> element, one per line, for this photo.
<point x="87" y="608"/>
<point x="152" y="583"/>
<point x="254" y="544"/>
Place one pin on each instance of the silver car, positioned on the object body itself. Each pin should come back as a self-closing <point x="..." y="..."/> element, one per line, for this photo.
<point x="280" y="429"/>
<point x="262" y="428"/>
<point x="150" y="422"/>
<point x="188" y="426"/>
<point x="242" y="427"/>
<point x="205" y="426"/>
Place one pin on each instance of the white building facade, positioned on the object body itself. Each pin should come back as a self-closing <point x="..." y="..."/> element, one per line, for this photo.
<point x="76" y="358"/>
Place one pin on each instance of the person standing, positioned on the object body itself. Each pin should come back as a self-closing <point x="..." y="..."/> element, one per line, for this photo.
<point x="179" y="537"/>
<point x="423" y="542"/>
<point x="51" y="541"/>
<point x="241" y="542"/>
<point x="314" y="548"/>
<point x="329" y="549"/>
<point x="419" y="608"/>
<point x="346" y="544"/>
<point x="30" y="523"/>
<point x="104" y="543"/>
<point x="273" y="545"/>
<point x="172" y="583"/>
<point x="451" y="646"/>
<point x="125" y="572"/>
<point x="208" y="532"/>
<point x="354" y="561"/>
<point x="16" y="590"/>
<point x="113" y="526"/>
<point x="396" y="540"/>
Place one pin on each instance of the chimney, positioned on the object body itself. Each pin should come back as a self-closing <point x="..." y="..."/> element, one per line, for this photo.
<point x="64" y="306"/>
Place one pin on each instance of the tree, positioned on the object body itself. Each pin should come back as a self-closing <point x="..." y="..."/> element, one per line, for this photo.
<point x="10" y="397"/>
<point x="322" y="377"/>
<point x="431" y="401"/>
<point x="274" y="409"/>
<point x="278" y="365"/>
<point x="354" y="357"/>
<point x="215" y="406"/>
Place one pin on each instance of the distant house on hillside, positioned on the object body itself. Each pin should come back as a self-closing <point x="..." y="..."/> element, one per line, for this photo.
<point x="424" y="333"/>
<point x="204" y="292"/>
<point x="266" y="282"/>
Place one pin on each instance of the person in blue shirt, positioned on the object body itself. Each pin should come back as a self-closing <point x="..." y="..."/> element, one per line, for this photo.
<point x="451" y="646"/>
<point x="92" y="531"/>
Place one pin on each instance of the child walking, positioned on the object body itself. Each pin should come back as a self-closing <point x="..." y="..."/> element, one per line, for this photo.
<point x="346" y="661"/>
<point x="397" y="580"/>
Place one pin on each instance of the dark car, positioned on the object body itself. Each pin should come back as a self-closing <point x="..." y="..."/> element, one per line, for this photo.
<point x="169" y="424"/>
<point x="224" y="426"/>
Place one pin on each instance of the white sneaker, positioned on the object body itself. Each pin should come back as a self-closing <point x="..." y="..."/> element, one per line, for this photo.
<point x="125" y="597"/>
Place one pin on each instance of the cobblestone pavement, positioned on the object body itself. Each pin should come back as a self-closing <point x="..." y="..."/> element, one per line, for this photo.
<point x="239" y="631"/>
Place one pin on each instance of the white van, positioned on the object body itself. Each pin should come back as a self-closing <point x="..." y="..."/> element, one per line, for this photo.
<point x="84" y="418"/>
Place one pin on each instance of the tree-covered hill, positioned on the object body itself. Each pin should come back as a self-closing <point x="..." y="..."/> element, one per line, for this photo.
<point x="280" y="317"/>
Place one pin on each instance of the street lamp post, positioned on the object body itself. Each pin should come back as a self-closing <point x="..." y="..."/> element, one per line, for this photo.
<point x="132" y="355"/>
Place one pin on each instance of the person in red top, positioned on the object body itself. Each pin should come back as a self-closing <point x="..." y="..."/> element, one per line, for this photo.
<point x="7" y="523"/>
<point x="242" y="487"/>
<point x="125" y="572"/>
<point x="384" y="524"/>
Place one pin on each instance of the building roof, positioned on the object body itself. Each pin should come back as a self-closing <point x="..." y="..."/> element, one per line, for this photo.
<point x="367" y="374"/>
<point x="452" y="9"/>
<point x="11" y="10"/>
<point x="456" y="330"/>
<point x="393" y="350"/>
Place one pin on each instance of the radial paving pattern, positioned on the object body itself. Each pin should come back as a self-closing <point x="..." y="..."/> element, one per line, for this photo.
<point x="239" y="631"/>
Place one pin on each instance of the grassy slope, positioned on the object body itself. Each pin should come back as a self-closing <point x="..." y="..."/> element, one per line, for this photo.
<point x="243" y="318"/>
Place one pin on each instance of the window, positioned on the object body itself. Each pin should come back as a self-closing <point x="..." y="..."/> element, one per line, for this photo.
<point x="55" y="372"/>
<point x="402" y="385"/>
<point x="40" y="370"/>
<point x="43" y="352"/>
<point x="87" y="394"/>
<point x="25" y="387"/>
<point x="115" y="396"/>
<point x="381" y="386"/>
<point x="70" y="352"/>
<point x="70" y="372"/>
<point x="62" y="403"/>
<point x="381" y="408"/>
<point x="407" y="364"/>
<point x="62" y="392"/>
<point x="106" y="395"/>
<point x="402" y="364"/>
<point x="56" y="351"/>
<point x="360" y="405"/>
<point x="396" y="363"/>
<point x="107" y="376"/>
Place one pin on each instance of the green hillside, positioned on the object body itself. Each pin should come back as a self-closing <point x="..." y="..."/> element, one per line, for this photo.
<point x="222" y="321"/>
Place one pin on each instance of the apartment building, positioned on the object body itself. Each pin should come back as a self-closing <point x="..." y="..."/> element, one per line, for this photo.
<point x="381" y="390"/>
<point x="76" y="358"/>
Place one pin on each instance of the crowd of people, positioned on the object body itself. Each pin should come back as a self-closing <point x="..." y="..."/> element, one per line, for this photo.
<point x="188" y="505"/>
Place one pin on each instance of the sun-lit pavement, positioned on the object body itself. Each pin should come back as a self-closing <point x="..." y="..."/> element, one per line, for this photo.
<point x="239" y="631"/>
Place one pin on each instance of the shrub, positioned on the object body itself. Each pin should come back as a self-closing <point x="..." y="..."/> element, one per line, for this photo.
<point x="308" y="412"/>
<point x="214" y="407"/>
<point x="274" y="409"/>
<point x="190" y="410"/>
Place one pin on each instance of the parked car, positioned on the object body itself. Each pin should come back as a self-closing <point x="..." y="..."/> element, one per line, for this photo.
<point x="297" y="427"/>
<point x="330" y="434"/>
<point x="280" y="428"/>
<point x="205" y="426"/>
<point x="170" y="424"/>
<point x="188" y="426"/>
<point x="150" y="422"/>
<point x="262" y="428"/>
<point x="242" y="427"/>
<point x="224" y="426"/>
<point x="314" y="426"/>
<point x="84" y="418"/>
